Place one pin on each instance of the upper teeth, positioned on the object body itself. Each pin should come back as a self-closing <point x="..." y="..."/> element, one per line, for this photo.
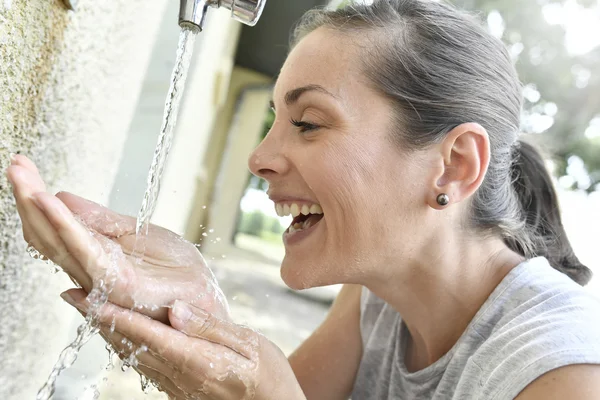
<point x="294" y="209"/>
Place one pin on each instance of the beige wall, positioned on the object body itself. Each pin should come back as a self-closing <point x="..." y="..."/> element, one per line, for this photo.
<point x="69" y="82"/>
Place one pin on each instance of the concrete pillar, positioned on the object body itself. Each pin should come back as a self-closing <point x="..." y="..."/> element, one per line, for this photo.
<point x="69" y="82"/>
<point x="239" y="130"/>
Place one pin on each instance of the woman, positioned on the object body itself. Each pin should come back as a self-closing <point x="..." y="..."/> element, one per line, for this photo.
<point x="396" y="140"/>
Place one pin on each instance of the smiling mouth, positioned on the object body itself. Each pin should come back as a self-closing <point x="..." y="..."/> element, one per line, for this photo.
<point x="304" y="216"/>
<point x="302" y="222"/>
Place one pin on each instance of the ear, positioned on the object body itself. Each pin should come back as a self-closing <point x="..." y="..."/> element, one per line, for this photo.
<point x="464" y="157"/>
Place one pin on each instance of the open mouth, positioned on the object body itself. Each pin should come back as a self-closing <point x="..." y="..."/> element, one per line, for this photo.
<point x="304" y="216"/>
<point x="302" y="222"/>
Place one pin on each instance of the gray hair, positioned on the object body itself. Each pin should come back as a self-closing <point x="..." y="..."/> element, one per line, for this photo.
<point x="441" y="68"/>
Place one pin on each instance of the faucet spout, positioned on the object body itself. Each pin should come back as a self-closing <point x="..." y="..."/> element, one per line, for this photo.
<point x="192" y="13"/>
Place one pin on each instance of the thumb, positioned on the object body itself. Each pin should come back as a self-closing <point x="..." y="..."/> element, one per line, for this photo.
<point x="198" y="323"/>
<point x="98" y="217"/>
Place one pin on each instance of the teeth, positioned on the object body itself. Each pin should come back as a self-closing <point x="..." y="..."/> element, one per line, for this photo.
<point x="316" y="209"/>
<point x="295" y="210"/>
<point x="284" y="210"/>
<point x="298" y="226"/>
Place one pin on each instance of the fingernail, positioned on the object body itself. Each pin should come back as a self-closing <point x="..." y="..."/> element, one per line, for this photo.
<point x="66" y="297"/>
<point x="182" y="311"/>
<point x="13" y="158"/>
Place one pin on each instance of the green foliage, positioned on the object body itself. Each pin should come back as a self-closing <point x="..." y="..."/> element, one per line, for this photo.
<point x="252" y="223"/>
<point x="260" y="225"/>
<point x="571" y="82"/>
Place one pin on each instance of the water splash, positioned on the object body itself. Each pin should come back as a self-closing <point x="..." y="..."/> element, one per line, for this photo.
<point x="99" y="294"/>
<point x="187" y="39"/>
<point x="146" y="384"/>
<point x="97" y="298"/>
<point x="111" y="356"/>
<point x="36" y="255"/>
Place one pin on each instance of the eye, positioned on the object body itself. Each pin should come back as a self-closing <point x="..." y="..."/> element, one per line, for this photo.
<point x="304" y="126"/>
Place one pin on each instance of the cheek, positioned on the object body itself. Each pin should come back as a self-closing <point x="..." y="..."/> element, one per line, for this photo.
<point x="350" y="187"/>
<point x="358" y="177"/>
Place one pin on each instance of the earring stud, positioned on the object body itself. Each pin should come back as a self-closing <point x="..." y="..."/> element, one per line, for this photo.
<point x="443" y="199"/>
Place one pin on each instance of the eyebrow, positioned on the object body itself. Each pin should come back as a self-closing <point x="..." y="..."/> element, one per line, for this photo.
<point x="293" y="95"/>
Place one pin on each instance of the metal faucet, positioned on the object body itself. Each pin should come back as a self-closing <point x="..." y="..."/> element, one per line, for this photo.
<point x="192" y="13"/>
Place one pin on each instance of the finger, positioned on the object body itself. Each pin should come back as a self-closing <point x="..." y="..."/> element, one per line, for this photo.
<point x="162" y="339"/>
<point x="78" y="240"/>
<point x="37" y="230"/>
<point x="143" y="356"/>
<point x="123" y="228"/>
<point x="196" y="322"/>
<point x="148" y="363"/>
<point x="23" y="161"/>
<point x="159" y="372"/>
<point x="166" y="342"/>
<point x="98" y="217"/>
<point x="165" y="384"/>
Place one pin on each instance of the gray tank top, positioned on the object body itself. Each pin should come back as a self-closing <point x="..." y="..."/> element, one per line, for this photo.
<point x="536" y="320"/>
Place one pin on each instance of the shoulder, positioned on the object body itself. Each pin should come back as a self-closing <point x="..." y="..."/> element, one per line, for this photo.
<point x="580" y="381"/>
<point x="552" y="329"/>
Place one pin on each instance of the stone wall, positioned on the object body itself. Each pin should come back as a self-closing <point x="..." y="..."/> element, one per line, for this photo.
<point x="69" y="82"/>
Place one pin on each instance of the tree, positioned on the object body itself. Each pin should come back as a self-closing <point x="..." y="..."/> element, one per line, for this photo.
<point x="562" y="90"/>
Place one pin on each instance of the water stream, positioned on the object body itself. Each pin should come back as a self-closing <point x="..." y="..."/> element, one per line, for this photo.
<point x="102" y="288"/>
<point x="165" y="138"/>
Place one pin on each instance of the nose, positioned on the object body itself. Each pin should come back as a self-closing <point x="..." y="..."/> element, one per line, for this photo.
<point x="268" y="160"/>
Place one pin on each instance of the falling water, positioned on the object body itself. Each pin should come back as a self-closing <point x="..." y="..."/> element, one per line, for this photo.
<point x="184" y="56"/>
<point x="102" y="288"/>
<point x="97" y="298"/>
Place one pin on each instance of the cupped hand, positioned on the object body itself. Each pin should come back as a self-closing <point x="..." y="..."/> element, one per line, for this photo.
<point x="199" y="356"/>
<point x="92" y="243"/>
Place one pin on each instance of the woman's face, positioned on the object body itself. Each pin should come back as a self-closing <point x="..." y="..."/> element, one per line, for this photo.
<point x="331" y="150"/>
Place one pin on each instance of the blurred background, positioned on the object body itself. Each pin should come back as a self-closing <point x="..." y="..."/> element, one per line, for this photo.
<point x="208" y="195"/>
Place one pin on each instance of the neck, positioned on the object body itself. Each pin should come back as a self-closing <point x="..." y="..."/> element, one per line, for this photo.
<point x="439" y="294"/>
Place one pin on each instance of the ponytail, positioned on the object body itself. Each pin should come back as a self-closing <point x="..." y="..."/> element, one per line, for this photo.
<point x="539" y="208"/>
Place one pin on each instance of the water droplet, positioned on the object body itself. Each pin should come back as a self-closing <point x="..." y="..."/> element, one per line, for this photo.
<point x="211" y="230"/>
<point x="234" y="298"/>
<point x="146" y="384"/>
<point x="218" y="239"/>
<point x="223" y="256"/>
<point x="211" y="365"/>
<point x="204" y="234"/>
<point x="204" y="208"/>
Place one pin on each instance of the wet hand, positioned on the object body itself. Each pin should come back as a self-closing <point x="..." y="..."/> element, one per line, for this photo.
<point x="92" y="243"/>
<point x="199" y="356"/>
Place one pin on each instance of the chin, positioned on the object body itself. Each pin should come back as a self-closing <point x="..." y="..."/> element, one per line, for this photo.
<point x="303" y="275"/>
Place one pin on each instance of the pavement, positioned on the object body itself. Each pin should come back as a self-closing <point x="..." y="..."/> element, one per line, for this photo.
<point x="257" y="297"/>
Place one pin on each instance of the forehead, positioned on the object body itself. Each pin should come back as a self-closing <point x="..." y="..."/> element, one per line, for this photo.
<point x="323" y="58"/>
